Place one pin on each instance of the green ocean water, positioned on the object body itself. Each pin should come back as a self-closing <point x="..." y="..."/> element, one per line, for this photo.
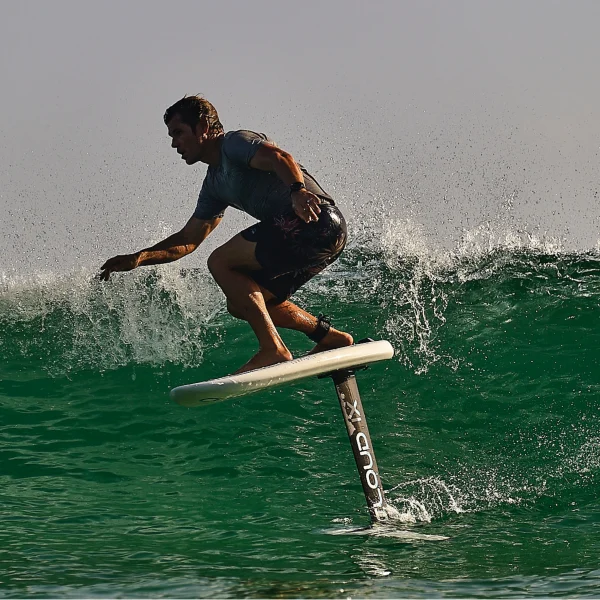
<point x="485" y="426"/>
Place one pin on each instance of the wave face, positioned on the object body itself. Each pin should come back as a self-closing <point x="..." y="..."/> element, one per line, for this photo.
<point x="485" y="424"/>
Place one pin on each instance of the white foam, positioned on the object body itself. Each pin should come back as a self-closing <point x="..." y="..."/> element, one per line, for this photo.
<point x="148" y="316"/>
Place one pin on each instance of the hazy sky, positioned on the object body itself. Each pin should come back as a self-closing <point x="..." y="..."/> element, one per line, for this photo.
<point x="451" y="114"/>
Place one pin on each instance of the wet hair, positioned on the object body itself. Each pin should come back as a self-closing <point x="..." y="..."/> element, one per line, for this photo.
<point x="190" y="109"/>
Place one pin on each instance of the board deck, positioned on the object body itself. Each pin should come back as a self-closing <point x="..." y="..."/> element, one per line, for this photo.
<point x="215" y="390"/>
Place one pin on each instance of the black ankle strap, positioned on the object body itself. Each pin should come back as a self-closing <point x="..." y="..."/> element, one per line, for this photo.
<point x="321" y="330"/>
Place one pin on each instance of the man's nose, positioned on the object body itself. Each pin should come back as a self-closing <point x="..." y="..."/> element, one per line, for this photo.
<point x="173" y="144"/>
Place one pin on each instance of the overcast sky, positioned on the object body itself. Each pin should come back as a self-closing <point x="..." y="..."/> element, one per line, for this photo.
<point x="452" y="114"/>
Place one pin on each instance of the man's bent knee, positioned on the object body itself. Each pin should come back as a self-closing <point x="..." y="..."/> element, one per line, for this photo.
<point x="215" y="263"/>
<point x="235" y="255"/>
<point x="234" y="311"/>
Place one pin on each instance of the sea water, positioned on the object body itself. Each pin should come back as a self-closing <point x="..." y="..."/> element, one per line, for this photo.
<point x="485" y="427"/>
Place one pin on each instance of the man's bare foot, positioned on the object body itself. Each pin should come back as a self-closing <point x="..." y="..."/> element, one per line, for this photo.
<point x="333" y="339"/>
<point x="265" y="358"/>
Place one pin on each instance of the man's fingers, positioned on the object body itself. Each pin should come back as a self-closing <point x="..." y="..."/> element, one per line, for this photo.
<point x="306" y="206"/>
<point x="125" y="262"/>
<point x="310" y="212"/>
<point x="308" y="215"/>
<point x="313" y="203"/>
<point x="314" y="210"/>
<point x="302" y="212"/>
<point x="110" y="262"/>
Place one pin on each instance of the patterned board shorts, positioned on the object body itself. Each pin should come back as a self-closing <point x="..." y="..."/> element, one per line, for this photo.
<point x="291" y="251"/>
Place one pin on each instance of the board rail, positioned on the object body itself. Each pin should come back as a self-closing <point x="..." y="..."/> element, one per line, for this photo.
<point x="321" y="364"/>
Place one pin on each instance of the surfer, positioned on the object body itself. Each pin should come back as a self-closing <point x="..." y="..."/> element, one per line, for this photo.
<point x="300" y="230"/>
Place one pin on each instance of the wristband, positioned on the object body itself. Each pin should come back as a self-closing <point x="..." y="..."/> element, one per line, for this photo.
<point x="297" y="186"/>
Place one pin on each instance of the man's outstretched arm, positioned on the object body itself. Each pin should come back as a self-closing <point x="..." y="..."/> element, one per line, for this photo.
<point x="174" y="247"/>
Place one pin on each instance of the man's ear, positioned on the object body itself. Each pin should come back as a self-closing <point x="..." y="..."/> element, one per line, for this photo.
<point x="202" y="127"/>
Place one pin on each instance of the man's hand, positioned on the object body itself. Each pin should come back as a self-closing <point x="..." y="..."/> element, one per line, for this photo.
<point x="306" y="205"/>
<point x="123" y="262"/>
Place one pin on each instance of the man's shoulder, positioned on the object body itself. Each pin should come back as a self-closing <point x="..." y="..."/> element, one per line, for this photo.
<point x="241" y="145"/>
<point x="247" y="135"/>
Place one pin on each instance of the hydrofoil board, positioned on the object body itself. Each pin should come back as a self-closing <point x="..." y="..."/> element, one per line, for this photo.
<point x="322" y="363"/>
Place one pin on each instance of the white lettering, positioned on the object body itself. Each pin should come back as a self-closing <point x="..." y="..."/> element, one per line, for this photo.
<point x="353" y="411"/>
<point x="359" y="437"/>
<point x="380" y="503"/>
<point x="372" y="481"/>
<point x="368" y="455"/>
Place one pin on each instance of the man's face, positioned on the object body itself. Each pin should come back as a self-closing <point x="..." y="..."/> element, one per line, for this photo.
<point x="184" y="140"/>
